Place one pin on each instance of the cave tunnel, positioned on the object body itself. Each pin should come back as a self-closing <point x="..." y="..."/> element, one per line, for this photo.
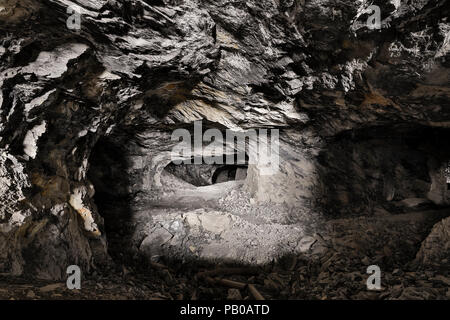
<point x="203" y="175"/>
<point x="229" y="173"/>
<point x="395" y="169"/>
<point x="126" y="179"/>
<point x="398" y="168"/>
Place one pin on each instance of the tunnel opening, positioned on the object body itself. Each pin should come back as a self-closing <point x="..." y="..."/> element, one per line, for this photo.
<point x="229" y="173"/>
<point x="109" y="172"/>
<point x="201" y="175"/>
<point x="397" y="169"/>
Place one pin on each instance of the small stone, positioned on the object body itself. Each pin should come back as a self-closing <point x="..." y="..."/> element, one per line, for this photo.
<point x="387" y="251"/>
<point x="125" y="270"/>
<point x="365" y="261"/>
<point x="215" y="222"/>
<point x="51" y="287"/>
<point x="397" y="272"/>
<point x="305" y="244"/>
<point x="234" y="294"/>
<point x="380" y="212"/>
<point x="31" y="294"/>
<point x="442" y="279"/>
<point x="413" y="202"/>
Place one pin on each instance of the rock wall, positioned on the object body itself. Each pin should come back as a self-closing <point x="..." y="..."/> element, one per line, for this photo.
<point x="435" y="250"/>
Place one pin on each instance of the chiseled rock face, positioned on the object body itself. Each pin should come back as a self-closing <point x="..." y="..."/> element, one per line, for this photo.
<point x="139" y="69"/>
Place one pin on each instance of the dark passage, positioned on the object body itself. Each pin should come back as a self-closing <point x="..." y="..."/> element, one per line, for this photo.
<point x="229" y="173"/>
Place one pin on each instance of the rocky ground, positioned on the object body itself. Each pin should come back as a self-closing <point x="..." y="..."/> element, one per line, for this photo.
<point x="220" y="222"/>
<point x="332" y="266"/>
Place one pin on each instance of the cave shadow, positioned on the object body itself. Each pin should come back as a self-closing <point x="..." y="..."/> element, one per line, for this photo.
<point x="394" y="168"/>
<point x="108" y="173"/>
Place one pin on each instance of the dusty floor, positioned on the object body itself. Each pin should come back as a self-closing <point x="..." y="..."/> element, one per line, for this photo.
<point x="219" y="222"/>
<point x="333" y="266"/>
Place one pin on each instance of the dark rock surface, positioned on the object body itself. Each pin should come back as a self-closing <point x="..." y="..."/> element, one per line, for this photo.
<point x="86" y="118"/>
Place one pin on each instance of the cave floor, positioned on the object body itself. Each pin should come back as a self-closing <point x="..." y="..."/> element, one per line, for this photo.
<point x="332" y="266"/>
